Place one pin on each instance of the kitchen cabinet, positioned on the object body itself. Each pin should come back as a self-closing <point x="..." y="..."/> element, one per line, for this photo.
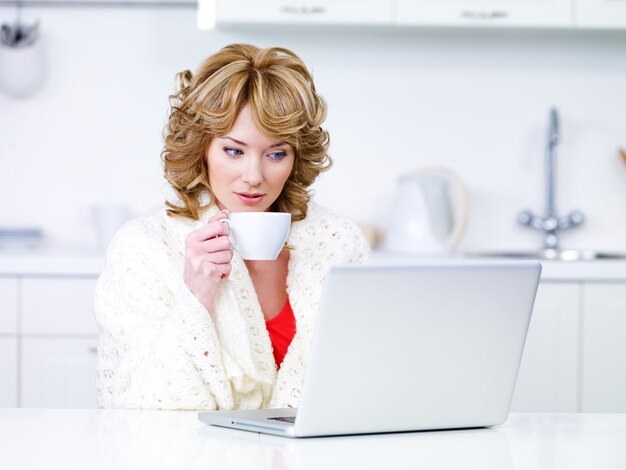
<point x="548" y="376"/>
<point x="485" y="13"/>
<point x="8" y="341"/>
<point x="604" y="348"/>
<point x="58" y="342"/>
<point x="8" y="372"/>
<point x="48" y="340"/>
<point x="58" y="305"/>
<point x="8" y="305"/>
<point x="574" y="359"/>
<point x="58" y="372"/>
<point x="600" y="14"/>
<point x="346" y="12"/>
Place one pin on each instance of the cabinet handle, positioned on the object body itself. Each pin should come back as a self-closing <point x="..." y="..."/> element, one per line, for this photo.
<point x="303" y="10"/>
<point x="484" y="14"/>
<point x="92" y="350"/>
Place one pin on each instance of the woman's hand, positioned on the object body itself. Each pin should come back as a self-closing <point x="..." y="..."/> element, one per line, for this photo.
<point x="208" y="252"/>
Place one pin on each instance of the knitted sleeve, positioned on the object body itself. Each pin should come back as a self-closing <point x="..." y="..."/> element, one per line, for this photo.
<point x="158" y="346"/>
<point x="361" y="252"/>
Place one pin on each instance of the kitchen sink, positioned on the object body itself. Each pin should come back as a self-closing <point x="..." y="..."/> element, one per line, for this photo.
<point x="552" y="254"/>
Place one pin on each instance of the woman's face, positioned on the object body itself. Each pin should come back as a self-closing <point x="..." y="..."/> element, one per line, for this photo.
<point x="247" y="170"/>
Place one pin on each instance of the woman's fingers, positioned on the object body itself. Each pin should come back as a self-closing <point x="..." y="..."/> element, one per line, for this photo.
<point x="215" y="271"/>
<point x="223" y="214"/>
<point x="207" y="232"/>
<point x="215" y="257"/>
<point x="208" y="253"/>
<point x="220" y="257"/>
<point x="213" y="228"/>
<point x="213" y="245"/>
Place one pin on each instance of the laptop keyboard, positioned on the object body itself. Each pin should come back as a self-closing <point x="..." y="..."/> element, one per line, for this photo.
<point x="286" y="419"/>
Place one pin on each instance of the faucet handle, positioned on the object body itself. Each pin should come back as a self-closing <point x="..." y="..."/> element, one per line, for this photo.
<point x="573" y="219"/>
<point x="528" y="218"/>
<point x="525" y="217"/>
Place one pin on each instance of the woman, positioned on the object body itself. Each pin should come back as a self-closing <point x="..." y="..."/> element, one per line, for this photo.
<point x="186" y="322"/>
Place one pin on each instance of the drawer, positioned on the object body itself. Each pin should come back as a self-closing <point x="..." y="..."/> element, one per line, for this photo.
<point x="8" y="305"/>
<point x="58" y="373"/>
<point x="305" y="12"/>
<point x="58" y="305"/>
<point x="485" y="13"/>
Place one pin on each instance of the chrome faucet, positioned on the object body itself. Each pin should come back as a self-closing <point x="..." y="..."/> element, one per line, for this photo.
<point x="550" y="224"/>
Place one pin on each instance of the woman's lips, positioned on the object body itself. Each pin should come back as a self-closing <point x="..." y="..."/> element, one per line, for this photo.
<point x="249" y="198"/>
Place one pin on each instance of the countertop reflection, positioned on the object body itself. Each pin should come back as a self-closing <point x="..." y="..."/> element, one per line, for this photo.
<point x="119" y="439"/>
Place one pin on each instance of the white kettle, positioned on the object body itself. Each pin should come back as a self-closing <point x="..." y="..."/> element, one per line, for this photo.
<point x="429" y="213"/>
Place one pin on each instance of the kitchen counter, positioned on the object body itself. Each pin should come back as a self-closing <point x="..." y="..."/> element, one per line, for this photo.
<point x="72" y="261"/>
<point x="596" y="270"/>
<point x="51" y="261"/>
<point x="600" y="270"/>
<point x="121" y="439"/>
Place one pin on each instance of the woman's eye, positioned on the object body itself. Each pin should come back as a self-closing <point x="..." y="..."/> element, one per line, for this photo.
<point x="233" y="152"/>
<point x="278" y="156"/>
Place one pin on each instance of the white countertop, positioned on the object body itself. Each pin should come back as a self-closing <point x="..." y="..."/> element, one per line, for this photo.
<point x="51" y="261"/>
<point x="604" y="270"/>
<point x="73" y="261"/>
<point x="119" y="439"/>
<point x="553" y="271"/>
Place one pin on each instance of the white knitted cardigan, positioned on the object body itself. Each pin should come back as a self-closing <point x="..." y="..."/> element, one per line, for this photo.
<point x="160" y="348"/>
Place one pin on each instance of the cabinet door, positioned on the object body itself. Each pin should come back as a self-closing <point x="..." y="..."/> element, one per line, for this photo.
<point x="601" y="14"/>
<point x="604" y="348"/>
<point x="305" y="11"/>
<point x="61" y="305"/>
<point x="548" y="376"/>
<point x="8" y="372"/>
<point x="485" y="13"/>
<point x="8" y="305"/>
<point x="58" y="372"/>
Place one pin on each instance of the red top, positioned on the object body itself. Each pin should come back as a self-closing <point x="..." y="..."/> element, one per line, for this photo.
<point x="282" y="329"/>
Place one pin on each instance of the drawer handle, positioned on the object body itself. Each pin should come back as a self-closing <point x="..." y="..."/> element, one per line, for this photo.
<point x="303" y="10"/>
<point x="484" y="14"/>
<point x="92" y="350"/>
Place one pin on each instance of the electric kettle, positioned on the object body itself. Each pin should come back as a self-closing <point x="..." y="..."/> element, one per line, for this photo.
<point x="429" y="213"/>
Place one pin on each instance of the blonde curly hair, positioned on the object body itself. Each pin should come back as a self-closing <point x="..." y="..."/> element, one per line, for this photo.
<point x="279" y="89"/>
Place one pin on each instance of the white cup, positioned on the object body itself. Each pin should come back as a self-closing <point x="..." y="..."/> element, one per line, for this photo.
<point x="258" y="235"/>
<point x="108" y="218"/>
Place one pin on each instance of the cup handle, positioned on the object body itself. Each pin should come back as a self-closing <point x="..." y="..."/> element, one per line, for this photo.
<point x="232" y="238"/>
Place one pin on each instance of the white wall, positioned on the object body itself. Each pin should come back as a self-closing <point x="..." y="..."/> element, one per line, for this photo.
<point x="474" y="101"/>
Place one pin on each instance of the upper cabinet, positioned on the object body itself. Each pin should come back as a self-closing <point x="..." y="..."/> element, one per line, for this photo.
<point x="346" y="12"/>
<point x="486" y="13"/>
<point x="601" y="14"/>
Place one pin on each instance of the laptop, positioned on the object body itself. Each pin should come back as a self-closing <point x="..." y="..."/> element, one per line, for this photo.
<point x="408" y="347"/>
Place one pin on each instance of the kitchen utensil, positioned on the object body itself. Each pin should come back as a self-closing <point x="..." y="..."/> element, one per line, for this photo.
<point x="429" y="213"/>
<point x="18" y="34"/>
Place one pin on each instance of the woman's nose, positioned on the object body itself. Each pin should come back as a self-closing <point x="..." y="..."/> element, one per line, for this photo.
<point x="253" y="173"/>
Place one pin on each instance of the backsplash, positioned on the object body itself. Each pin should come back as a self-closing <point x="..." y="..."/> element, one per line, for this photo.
<point x="473" y="101"/>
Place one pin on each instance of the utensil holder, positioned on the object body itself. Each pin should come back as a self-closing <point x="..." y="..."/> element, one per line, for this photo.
<point x="22" y="68"/>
